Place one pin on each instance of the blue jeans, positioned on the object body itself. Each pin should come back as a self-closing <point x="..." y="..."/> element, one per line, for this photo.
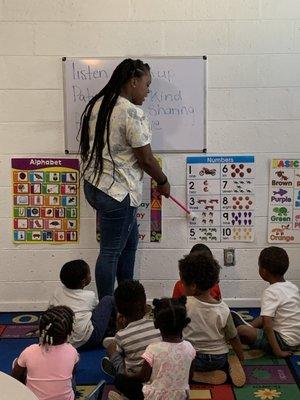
<point x="104" y="322"/>
<point x="263" y="343"/>
<point x="118" y="239"/>
<point x="210" y="362"/>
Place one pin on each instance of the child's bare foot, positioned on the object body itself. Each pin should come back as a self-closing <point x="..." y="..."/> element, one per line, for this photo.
<point x="108" y="340"/>
<point x="236" y="371"/>
<point x="284" y="354"/>
<point x="216" y="377"/>
<point x="112" y="395"/>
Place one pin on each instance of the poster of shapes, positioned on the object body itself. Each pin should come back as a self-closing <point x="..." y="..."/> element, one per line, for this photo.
<point x="220" y="193"/>
<point x="45" y="200"/>
<point x="149" y="214"/>
<point x="284" y="202"/>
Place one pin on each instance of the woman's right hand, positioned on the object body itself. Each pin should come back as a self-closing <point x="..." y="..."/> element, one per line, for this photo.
<point x="150" y="165"/>
<point x="164" y="190"/>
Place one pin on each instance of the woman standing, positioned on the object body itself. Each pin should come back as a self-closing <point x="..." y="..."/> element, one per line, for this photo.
<point x="115" y="150"/>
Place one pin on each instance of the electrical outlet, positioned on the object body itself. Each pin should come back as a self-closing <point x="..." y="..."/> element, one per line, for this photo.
<point x="229" y="257"/>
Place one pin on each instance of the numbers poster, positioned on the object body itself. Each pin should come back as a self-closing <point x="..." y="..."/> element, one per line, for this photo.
<point x="220" y="193"/>
<point x="45" y="200"/>
<point x="284" y="202"/>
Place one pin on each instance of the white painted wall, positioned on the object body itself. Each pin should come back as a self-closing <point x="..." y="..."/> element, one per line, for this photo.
<point x="253" y="49"/>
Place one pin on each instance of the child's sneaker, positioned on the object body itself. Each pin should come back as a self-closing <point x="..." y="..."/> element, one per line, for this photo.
<point x="108" y="367"/>
<point x="216" y="377"/>
<point x="236" y="371"/>
<point x="238" y="320"/>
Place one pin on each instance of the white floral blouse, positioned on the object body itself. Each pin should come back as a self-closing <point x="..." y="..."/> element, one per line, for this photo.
<point x="129" y="128"/>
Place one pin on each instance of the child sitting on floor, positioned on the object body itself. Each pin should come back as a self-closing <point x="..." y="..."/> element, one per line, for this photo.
<point x="211" y="323"/>
<point x="215" y="292"/>
<point x="277" y="330"/>
<point x="47" y="368"/>
<point x="167" y="364"/>
<point x="135" y="332"/>
<point x="93" y="321"/>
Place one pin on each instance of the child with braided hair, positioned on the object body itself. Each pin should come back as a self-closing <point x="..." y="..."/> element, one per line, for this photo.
<point x="47" y="368"/>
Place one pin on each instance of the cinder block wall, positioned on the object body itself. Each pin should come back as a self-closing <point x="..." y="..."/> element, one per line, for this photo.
<point x="253" y="50"/>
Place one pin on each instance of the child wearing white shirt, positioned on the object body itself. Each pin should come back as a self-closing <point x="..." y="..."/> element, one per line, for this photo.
<point x="277" y="330"/>
<point x="211" y="325"/>
<point x="93" y="321"/>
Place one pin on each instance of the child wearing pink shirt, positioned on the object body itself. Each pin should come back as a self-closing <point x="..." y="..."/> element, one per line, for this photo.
<point x="47" y="368"/>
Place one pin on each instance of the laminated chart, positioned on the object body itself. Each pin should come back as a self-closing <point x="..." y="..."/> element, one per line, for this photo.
<point x="149" y="213"/>
<point x="284" y="202"/>
<point x="45" y="200"/>
<point x="220" y="193"/>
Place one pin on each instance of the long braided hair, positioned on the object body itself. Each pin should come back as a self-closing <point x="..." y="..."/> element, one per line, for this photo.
<point x="170" y="315"/>
<point x="55" y="325"/>
<point x="125" y="71"/>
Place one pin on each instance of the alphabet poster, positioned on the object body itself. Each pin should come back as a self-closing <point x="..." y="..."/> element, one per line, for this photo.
<point x="220" y="193"/>
<point x="284" y="202"/>
<point x="45" y="200"/>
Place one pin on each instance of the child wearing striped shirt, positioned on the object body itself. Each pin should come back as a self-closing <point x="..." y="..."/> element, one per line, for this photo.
<point x="167" y="364"/>
<point x="136" y="331"/>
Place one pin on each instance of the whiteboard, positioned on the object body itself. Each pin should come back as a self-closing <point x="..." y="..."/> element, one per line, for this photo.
<point x="175" y="106"/>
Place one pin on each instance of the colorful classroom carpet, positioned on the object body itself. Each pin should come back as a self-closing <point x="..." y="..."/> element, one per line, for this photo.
<point x="268" y="378"/>
<point x="197" y="392"/>
<point x="82" y="391"/>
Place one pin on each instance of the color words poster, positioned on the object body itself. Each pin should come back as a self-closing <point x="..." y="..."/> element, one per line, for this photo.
<point x="284" y="202"/>
<point x="220" y="193"/>
<point x="45" y="200"/>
